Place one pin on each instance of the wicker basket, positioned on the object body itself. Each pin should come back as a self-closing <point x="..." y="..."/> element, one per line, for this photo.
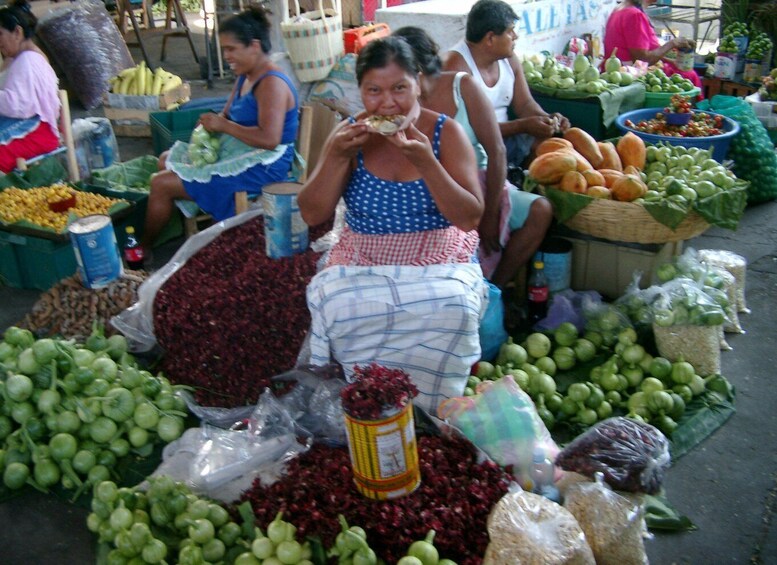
<point x="631" y="223"/>
<point x="314" y="41"/>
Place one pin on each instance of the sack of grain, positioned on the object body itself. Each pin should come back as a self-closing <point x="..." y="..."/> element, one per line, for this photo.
<point x="613" y="525"/>
<point x="529" y="529"/>
<point x="698" y="345"/>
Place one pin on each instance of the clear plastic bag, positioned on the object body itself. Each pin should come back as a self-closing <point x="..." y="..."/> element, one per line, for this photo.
<point x="95" y="144"/>
<point x="688" y="323"/>
<point x="315" y="403"/>
<point x="636" y="302"/>
<point x="223" y="462"/>
<point x="684" y="301"/>
<point x="605" y="319"/>
<point x="529" y="529"/>
<point x="734" y="264"/>
<point x="633" y="456"/>
<point x="614" y="526"/>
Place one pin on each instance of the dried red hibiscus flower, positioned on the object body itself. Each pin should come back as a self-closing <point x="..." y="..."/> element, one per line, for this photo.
<point x="455" y="498"/>
<point x="375" y="391"/>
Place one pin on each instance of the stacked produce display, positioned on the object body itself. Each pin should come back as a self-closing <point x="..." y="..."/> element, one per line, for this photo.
<point x="583" y="76"/>
<point x="142" y="81"/>
<point x="49" y="208"/>
<point x="71" y="412"/>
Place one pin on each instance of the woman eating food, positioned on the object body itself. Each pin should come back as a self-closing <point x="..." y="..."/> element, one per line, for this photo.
<point x="402" y="286"/>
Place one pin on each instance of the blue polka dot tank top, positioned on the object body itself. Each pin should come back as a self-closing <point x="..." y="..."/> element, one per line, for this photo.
<point x="377" y="206"/>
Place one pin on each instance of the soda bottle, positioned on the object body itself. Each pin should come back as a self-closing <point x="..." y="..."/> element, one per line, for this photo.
<point x="537" y="304"/>
<point x="134" y="256"/>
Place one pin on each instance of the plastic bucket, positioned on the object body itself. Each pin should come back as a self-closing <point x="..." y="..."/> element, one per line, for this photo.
<point x="96" y="250"/>
<point x="556" y="252"/>
<point x="384" y="454"/>
<point x="285" y="231"/>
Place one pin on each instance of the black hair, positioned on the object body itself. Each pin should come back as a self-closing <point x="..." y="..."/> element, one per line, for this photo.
<point x="425" y="50"/>
<point x="379" y="53"/>
<point x="489" y="15"/>
<point x="250" y="24"/>
<point x="19" y="13"/>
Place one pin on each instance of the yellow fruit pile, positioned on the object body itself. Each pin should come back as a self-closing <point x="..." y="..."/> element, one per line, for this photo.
<point x="140" y="80"/>
<point x="32" y="205"/>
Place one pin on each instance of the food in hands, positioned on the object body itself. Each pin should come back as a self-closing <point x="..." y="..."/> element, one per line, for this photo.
<point x="386" y="125"/>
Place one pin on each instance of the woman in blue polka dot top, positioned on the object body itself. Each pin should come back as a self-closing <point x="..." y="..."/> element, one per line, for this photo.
<point x="412" y="198"/>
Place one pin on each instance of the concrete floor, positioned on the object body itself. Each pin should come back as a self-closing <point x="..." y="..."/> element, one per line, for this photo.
<point x="727" y="486"/>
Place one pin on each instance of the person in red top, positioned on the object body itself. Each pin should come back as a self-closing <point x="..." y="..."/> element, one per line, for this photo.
<point x="629" y="29"/>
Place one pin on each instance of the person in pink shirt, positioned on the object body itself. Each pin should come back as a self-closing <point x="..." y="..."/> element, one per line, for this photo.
<point x="29" y="90"/>
<point x="630" y="31"/>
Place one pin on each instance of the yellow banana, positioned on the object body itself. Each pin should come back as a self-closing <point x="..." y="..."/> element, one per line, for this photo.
<point x="172" y="83"/>
<point x="127" y="72"/>
<point x="149" y="81"/>
<point x="140" y="78"/>
<point x="156" y="86"/>
<point x="124" y="85"/>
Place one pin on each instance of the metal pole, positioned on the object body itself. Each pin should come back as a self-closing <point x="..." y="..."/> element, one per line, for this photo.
<point x="207" y="48"/>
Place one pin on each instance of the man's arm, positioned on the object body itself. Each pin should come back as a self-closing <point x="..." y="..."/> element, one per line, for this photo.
<point x="531" y="118"/>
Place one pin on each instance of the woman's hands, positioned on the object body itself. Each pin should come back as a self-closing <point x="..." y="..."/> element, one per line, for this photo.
<point x="415" y="146"/>
<point x="683" y="43"/>
<point x="348" y="140"/>
<point x="214" y="123"/>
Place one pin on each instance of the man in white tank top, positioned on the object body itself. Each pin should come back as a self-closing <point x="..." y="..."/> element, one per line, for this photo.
<point x="487" y="54"/>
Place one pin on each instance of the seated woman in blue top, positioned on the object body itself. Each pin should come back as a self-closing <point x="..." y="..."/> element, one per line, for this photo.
<point x="258" y="125"/>
<point x="402" y="286"/>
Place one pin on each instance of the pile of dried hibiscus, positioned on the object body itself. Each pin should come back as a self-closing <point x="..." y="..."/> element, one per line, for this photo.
<point x="455" y="498"/>
<point x="231" y="318"/>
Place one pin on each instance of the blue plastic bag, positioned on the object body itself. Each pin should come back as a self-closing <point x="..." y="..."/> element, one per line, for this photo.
<point x="492" y="330"/>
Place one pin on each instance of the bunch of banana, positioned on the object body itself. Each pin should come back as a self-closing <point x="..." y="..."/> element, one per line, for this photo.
<point x="140" y="80"/>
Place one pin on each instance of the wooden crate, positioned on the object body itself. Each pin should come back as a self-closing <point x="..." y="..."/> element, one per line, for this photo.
<point x="129" y="114"/>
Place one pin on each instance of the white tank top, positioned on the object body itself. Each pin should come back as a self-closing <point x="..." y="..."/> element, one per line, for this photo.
<point x="501" y="93"/>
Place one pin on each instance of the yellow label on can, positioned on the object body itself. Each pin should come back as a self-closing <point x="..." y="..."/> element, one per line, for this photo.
<point x="384" y="454"/>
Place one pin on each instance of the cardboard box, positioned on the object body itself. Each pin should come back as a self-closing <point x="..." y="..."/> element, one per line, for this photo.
<point x="609" y="267"/>
<point x="129" y="115"/>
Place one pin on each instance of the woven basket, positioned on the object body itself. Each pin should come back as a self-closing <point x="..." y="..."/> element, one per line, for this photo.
<point x="314" y="41"/>
<point x="630" y="222"/>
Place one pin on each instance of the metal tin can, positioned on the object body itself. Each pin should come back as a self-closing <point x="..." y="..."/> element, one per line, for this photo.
<point x="96" y="250"/>
<point x="384" y="454"/>
<point x="285" y="231"/>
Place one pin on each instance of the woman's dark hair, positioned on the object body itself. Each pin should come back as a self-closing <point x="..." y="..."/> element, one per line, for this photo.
<point x="425" y="50"/>
<point x="489" y="15"/>
<point x="248" y="25"/>
<point x="379" y="53"/>
<point x="19" y="14"/>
